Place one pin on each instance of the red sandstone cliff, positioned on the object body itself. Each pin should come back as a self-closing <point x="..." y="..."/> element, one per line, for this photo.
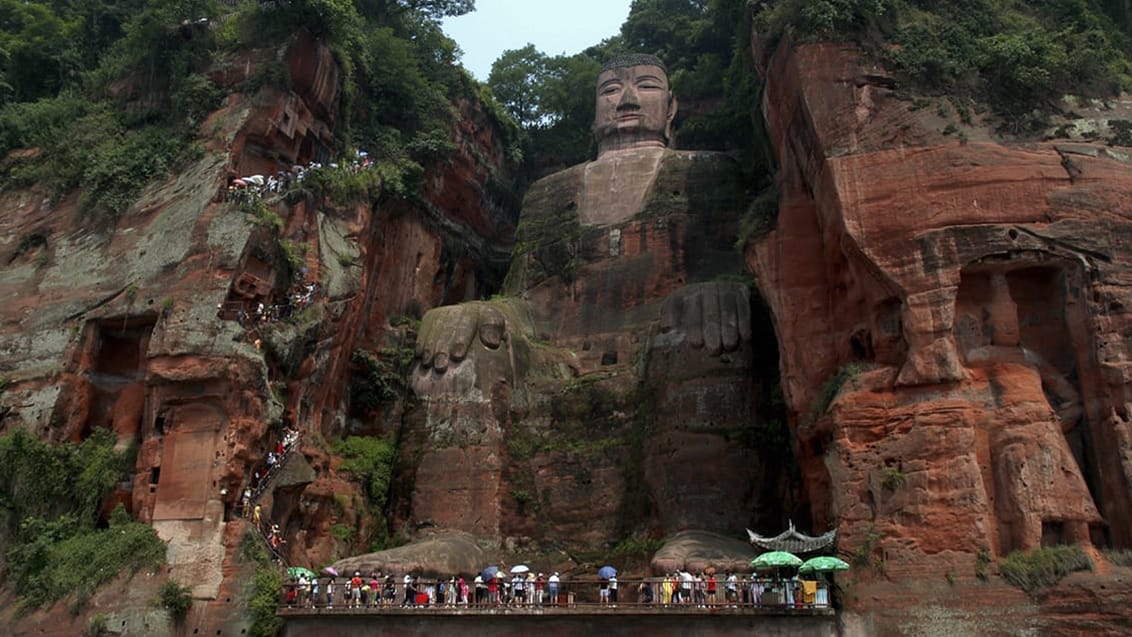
<point x="133" y="326"/>
<point x="977" y="288"/>
<point x="981" y="284"/>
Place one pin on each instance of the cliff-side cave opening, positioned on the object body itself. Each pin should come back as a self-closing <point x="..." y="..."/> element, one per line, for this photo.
<point x="1053" y="533"/>
<point x="116" y="349"/>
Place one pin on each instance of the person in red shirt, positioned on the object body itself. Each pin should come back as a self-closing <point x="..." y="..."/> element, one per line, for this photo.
<point x="493" y="590"/>
<point x="711" y="590"/>
<point x="356" y="584"/>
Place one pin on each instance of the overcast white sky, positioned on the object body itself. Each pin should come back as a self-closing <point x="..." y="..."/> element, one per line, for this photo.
<point x="553" y="26"/>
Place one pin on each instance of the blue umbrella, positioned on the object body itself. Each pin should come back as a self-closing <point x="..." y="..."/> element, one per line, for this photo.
<point x="489" y="572"/>
<point x="606" y="572"/>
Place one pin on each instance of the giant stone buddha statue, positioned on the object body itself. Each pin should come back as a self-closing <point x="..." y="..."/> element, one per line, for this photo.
<point x="622" y="279"/>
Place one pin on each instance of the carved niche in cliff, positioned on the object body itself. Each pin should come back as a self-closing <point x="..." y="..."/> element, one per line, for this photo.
<point x="1019" y="319"/>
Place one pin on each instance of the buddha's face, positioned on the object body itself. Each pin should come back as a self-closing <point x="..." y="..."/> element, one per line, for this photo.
<point x="634" y="108"/>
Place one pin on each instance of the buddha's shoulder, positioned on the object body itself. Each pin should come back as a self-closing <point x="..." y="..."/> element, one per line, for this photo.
<point x="567" y="179"/>
<point x="555" y="193"/>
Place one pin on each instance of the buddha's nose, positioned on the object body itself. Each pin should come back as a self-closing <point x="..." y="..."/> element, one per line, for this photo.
<point x="629" y="98"/>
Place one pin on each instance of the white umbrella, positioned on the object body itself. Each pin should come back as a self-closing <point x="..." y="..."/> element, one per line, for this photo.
<point x="520" y="568"/>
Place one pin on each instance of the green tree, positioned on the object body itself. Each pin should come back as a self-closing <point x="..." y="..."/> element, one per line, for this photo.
<point x="98" y="25"/>
<point x="382" y="11"/>
<point x="563" y="135"/>
<point x="33" y="42"/>
<point x="370" y="460"/>
<point x="516" y="78"/>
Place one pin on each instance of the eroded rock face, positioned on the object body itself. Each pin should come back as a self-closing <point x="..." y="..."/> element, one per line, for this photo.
<point x="133" y="327"/>
<point x="982" y="287"/>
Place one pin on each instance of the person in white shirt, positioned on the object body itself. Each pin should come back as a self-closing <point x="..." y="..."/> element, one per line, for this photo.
<point x="552" y="587"/>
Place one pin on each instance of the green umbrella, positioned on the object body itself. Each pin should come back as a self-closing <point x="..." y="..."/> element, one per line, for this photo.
<point x="296" y="571"/>
<point x="776" y="559"/>
<point x="822" y="564"/>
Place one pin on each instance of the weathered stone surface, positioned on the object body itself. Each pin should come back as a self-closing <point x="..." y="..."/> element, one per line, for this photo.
<point x="443" y="554"/>
<point x="981" y="287"/>
<point x="695" y="551"/>
<point x="131" y="326"/>
<point x="613" y="387"/>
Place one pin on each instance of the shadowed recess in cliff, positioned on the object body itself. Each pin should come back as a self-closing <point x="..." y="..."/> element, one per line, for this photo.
<point x="115" y="351"/>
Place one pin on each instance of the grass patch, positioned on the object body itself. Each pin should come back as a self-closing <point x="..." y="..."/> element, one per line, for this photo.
<point x="832" y="386"/>
<point x="982" y="563"/>
<point x="60" y="558"/>
<point x="50" y="501"/>
<point x="176" y="598"/>
<point x="863" y="555"/>
<point x="1119" y="557"/>
<point x="252" y="549"/>
<point x="97" y="626"/>
<point x="636" y="545"/>
<point x="894" y="478"/>
<point x="370" y="460"/>
<point x="343" y="532"/>
<point x="759" y="218"/>
<point x="1042" y="567"/>
<point x="263" y="601"/>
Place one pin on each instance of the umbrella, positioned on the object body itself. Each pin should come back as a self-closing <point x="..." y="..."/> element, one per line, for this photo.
<point x="520" y="568"/>
<point x="331" y="571"/>
<point x="489" y="572"/>
<point x="298" y="571"/>
<point x="823" y="563"/>
<point x="606" y="572"/>
<point x="776" y="559"/>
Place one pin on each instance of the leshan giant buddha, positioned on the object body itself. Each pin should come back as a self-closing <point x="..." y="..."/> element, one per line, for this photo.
<point x="611" y="388"/>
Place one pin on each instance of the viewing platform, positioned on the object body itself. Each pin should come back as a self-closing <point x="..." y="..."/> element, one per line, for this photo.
<point x="546" y="621"/>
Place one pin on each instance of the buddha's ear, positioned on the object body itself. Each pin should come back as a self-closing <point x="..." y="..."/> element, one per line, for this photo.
<point x="673" y="106"/>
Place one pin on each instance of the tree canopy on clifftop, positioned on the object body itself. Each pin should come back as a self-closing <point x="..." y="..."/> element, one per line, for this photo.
<point x="1015" y="56"/>
<point x="132" y="80"/>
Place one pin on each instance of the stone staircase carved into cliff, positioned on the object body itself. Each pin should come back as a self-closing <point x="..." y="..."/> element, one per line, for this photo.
<point x="263" y="528"/>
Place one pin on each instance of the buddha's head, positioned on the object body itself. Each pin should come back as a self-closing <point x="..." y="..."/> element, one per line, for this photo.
<point x="634" y="106"/>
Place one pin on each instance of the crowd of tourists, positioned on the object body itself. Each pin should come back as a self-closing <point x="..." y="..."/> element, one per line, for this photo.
<point x="301" y="294"/>
<point x="272" y="461"/>
<point x="262" y="473"/>
<point x="534" y="590"/>
<point x="253" y="187"/>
